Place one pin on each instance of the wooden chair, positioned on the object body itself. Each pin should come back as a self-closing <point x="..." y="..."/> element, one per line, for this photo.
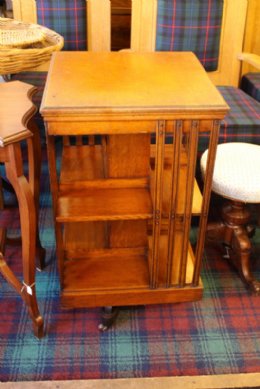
<point x="216" y="36"/>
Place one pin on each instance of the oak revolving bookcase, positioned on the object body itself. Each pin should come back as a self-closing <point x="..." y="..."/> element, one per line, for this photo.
<point x="123" y="202"/>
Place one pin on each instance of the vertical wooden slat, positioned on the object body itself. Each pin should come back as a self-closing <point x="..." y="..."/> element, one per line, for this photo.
<point x="66" y="140"/>
<point x="91" y="140"/>
<point x="143" y="25"/>
<point x="104" y="155"/>
<point x="79" y="141"/>
<point x="99" y="25"/>
<point x="157" y="212"/>
<point x="25" y="10"/>
<point x="252" y="33"/>
<point x="54" y="191"/>
<point x="173" y="199"/>
<point x="206" y="200"/>
<point x="191" y="158"/>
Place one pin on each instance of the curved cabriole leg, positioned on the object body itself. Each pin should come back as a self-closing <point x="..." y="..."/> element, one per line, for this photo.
<point x="26" y="202"/>
<point x="108" y="317"/>
<point x="21" y="289"/>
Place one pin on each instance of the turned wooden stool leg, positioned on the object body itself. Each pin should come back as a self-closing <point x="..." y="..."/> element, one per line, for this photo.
<point x="26" y="202"/>
<point x="236" y="217"/>
<point x="243" y="247"/>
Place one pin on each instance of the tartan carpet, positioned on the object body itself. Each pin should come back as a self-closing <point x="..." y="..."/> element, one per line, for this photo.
<point x="218" y="335"/>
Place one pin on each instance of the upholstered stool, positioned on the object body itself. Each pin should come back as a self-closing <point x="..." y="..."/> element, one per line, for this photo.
<point x="237" y="178"/>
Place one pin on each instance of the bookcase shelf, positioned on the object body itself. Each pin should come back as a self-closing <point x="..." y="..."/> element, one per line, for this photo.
<point x="104" y="204"/>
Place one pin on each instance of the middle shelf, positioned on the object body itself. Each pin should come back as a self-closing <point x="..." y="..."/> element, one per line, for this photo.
<point x="87" y="195"/>
<point x="104" y="204"/>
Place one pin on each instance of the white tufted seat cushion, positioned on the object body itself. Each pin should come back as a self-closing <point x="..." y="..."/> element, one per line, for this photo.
<point x="236" y="172"/>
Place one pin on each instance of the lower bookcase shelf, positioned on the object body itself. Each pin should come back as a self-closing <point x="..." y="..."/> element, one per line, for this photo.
<point x="98" y="276"/>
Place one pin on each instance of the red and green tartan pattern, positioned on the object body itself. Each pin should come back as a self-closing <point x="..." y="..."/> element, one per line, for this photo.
<point x="250" y="83"/>
<point x="219" y="334"/>
<point x="66" y="17"/>
<point x="242" y="123"/>
<point x="190" y="25"/>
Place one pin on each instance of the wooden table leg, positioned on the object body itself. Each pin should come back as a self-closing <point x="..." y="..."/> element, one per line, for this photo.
<point x="2" y="229"/>
<point x="34" y="159"/>
<point x="28" y="217"/>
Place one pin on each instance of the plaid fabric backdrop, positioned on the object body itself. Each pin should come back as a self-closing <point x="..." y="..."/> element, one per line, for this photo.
<point x="66" y="17"/>
<point x="219" y="334"/>
<point x="250" y="83"/>
<point x="190" y="25"/>
<point x="242" y="123"/>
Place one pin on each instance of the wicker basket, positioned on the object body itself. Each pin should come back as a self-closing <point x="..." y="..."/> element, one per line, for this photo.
<point x="24" y="46"/>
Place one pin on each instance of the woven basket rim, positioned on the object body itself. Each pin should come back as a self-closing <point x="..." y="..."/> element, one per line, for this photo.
<point x="16" y="59"/>
<point x="16" y="38"/>
<point x="16" y="33"/>
<point x="41" y="33"/>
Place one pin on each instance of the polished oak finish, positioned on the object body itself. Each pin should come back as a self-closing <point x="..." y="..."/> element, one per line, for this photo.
<point x="15" y="97"/>
<point x="123" y="205"/>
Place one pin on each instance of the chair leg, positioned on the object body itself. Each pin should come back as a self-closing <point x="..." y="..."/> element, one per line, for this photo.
<point x="234" y="232"/>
